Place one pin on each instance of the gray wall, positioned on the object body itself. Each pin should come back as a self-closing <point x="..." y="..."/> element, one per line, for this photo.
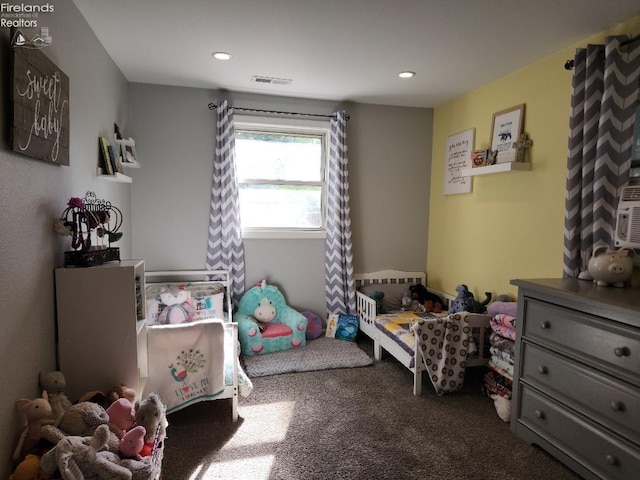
<point x="389" y="167"/>
<point x="33" y="193"/>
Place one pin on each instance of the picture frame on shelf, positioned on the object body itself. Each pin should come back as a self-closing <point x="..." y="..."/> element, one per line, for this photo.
<point x="127" y="150"/>
<point x="506" y="128"/>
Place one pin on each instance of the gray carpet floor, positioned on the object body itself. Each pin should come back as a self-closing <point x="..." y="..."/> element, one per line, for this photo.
<point x="355" y="423"/>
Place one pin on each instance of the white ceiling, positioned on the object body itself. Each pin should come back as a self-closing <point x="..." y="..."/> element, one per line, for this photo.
<point x="343" y="50"/>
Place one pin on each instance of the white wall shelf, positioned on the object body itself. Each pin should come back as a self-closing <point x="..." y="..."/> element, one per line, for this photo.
<point x="497" y="168"/>
<point x="117" y="177"/>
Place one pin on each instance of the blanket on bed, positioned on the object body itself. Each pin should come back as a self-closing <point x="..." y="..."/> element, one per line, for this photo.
<point x="186" y="362"/>
<point x="443" y="344"/>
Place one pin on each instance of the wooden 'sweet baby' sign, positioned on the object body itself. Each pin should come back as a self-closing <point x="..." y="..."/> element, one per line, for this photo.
<point x="40" y="102"/>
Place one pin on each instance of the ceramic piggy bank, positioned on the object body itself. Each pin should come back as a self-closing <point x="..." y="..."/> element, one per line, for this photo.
<point x="611" y="267"/>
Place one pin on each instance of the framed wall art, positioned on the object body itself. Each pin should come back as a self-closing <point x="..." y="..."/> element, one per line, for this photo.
<point x="127" y="150"/>
<point x="458" y="156"/>
<point x="40" y="107"/>
<point x="505" y="130"/>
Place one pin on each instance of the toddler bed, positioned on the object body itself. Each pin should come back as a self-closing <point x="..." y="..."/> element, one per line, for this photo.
<point x="192" y="344"/>
<point x="403" y="333"/>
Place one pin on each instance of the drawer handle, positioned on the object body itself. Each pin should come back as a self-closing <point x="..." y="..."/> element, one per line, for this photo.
<point x="611" y="460"/>
<point x="622" y="352"/>
<point x="543" y="370"/>
<point x="617" y="406"/>
<point x="539" y="414"/>
<point x="545" y="324"/>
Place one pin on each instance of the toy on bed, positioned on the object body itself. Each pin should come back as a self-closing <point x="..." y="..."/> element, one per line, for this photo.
<point x="466" y="302"/>
<point x="422" y="300"/>
<point x="173" y="366"/>
<point x="266" y="323"/>
<point x="177" y="306"/>
<point x="392" y="330"/>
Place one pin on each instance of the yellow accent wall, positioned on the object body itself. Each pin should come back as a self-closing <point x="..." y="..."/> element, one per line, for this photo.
<point x="511" y="224"/>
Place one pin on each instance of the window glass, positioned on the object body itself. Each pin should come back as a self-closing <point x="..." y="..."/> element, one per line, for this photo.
<point x="280" y="171"/>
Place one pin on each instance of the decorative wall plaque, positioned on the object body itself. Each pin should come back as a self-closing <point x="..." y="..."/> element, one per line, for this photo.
<point x="40" y="102"/>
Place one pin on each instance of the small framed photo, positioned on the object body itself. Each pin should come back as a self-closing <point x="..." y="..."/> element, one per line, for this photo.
<point x="127" y="150"/>
<point x="505" y="131"/>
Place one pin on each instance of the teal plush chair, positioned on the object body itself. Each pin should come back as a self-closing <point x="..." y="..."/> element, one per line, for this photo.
<point x="266" y="323"/>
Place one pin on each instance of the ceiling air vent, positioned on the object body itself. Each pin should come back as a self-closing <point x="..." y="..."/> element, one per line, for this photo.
<point x="271" y="80"/>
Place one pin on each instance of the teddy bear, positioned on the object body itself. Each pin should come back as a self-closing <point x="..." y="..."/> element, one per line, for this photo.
<point x="178" y="307"/>
<point x="38" y="414"/>
<point x="81" y="419"/>
<point x="121" y="391"/>
<point x="78" y="457"/>
<point x="150" y="414"/>
<point x="54" y="383"/>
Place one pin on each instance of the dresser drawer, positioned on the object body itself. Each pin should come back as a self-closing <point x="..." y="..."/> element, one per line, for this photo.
<point x="601" y="397"/>
<point x="611" y="346"/>
<point x="604" y="454"/>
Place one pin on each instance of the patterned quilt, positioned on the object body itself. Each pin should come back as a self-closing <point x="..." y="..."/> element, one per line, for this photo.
<point x="445" y="342"/>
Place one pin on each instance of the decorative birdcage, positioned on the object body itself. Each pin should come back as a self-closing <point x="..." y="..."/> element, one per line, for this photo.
<point x="93" y="225"/>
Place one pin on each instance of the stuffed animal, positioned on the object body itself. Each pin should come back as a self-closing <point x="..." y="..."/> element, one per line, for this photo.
<point x="150" y="414"/>
<point x="178" y="307"/>
<point x="81" y="419"/>
<point x="121" y="391"/>
<point x="121" y="416"/>
<point x="132" y="442"/>
<point x="38" y="414"/>
<point x="79" y="457"/>
<point x="465" y="301"/>
<point x="54" y="383"/>
<point x="29" y="469"/>
<point x="429" y="300"/>
<point x="503" y="407"/>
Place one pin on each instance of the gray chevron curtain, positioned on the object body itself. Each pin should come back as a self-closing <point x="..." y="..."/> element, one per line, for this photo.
<point x="225" y="250"/>
<point x="340" y="286"/>
<point x="603" y="102"/>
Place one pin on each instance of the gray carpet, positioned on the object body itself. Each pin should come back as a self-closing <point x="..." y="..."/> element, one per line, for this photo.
<point x="320" y="354"/>
<point x="351" y="424"/>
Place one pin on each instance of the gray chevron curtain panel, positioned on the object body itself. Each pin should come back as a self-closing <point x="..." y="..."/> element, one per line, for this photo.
<point x="605" y="91"/>
<point x="225" y="250"/>
<point x="339" y="283"/>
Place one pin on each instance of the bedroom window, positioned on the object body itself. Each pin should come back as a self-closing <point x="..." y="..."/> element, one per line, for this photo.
<point x="281" y="179"/>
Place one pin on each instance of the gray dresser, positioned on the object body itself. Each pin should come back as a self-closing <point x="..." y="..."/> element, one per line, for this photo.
<point x="576" y="386"/>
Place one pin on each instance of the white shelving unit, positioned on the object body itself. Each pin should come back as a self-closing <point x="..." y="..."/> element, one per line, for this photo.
<point x="102" y="336"/>
<point x="497" y="168"/>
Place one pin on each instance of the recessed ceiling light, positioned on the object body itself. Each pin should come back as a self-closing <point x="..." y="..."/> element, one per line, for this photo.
<point x="221" y="55"/>
<point x="407" y="74"/>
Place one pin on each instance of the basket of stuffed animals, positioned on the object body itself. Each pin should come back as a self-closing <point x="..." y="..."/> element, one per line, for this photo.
<point x="97" y="437"/>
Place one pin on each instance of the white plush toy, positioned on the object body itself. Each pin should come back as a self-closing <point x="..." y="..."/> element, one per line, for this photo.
<point x="178" y="306"/>
<point x="79" y="457"/>
<point x="503" y="407"/>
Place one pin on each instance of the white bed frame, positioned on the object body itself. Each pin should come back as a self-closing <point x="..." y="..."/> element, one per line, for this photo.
<point x="366" y="308"/>
<point x="219" y="277"/>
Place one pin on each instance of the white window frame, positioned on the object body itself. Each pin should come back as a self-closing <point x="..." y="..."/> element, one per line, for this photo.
<point x="290" y="126"/>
